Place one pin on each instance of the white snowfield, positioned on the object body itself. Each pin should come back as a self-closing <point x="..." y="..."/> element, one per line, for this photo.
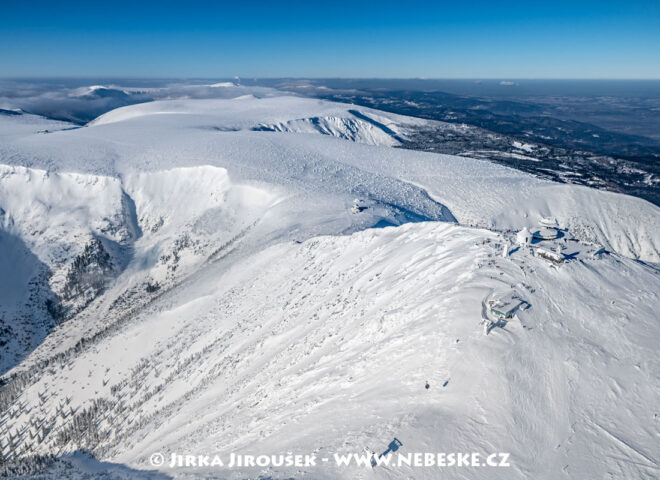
<point x="239" y="305"/>
<point x="279" y="114"/>
<point x="13" y="127"/>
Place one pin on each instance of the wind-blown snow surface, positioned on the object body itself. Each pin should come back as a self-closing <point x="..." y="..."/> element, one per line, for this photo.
<point x="280" y="114"/>
<point x="213" y="293"/>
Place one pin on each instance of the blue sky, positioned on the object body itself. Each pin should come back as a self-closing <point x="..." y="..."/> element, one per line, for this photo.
<point x="404" y="39"/>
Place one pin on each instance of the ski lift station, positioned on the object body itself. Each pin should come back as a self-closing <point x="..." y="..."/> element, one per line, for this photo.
<point x="505" y="306"/>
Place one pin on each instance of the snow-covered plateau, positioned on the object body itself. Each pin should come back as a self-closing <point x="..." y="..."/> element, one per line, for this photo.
<point x="272" y="276"/>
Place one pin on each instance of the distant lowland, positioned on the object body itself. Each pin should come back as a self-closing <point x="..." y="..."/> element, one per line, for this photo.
<point x="600" y="133"/>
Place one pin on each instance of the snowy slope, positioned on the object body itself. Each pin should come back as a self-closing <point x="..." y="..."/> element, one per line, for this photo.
<point x="211" y="291"/>
<point x="325" y="346"/>
<point x="279" y="114"/>
<point x="15" y="124"/>
<point x="81" y="229"/>
<point x="179" y="133"/>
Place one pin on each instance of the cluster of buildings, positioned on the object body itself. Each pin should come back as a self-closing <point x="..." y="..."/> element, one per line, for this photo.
<point x="548" y="231"/>
<point x="548" y="242"/>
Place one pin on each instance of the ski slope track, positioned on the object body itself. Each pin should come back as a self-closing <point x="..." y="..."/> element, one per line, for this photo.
<point x="272" y="275"/>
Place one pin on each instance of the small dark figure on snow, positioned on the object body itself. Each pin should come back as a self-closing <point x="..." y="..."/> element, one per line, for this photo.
<point x="427" y="386"/>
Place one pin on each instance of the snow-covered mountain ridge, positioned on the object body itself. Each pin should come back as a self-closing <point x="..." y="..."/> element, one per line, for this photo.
<point x="280" y="114"/>
<point x="217" y="288"/>
<point x="221" y="132"/>
<point x="307" y="347"/>
<point x="87" y="229"/>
